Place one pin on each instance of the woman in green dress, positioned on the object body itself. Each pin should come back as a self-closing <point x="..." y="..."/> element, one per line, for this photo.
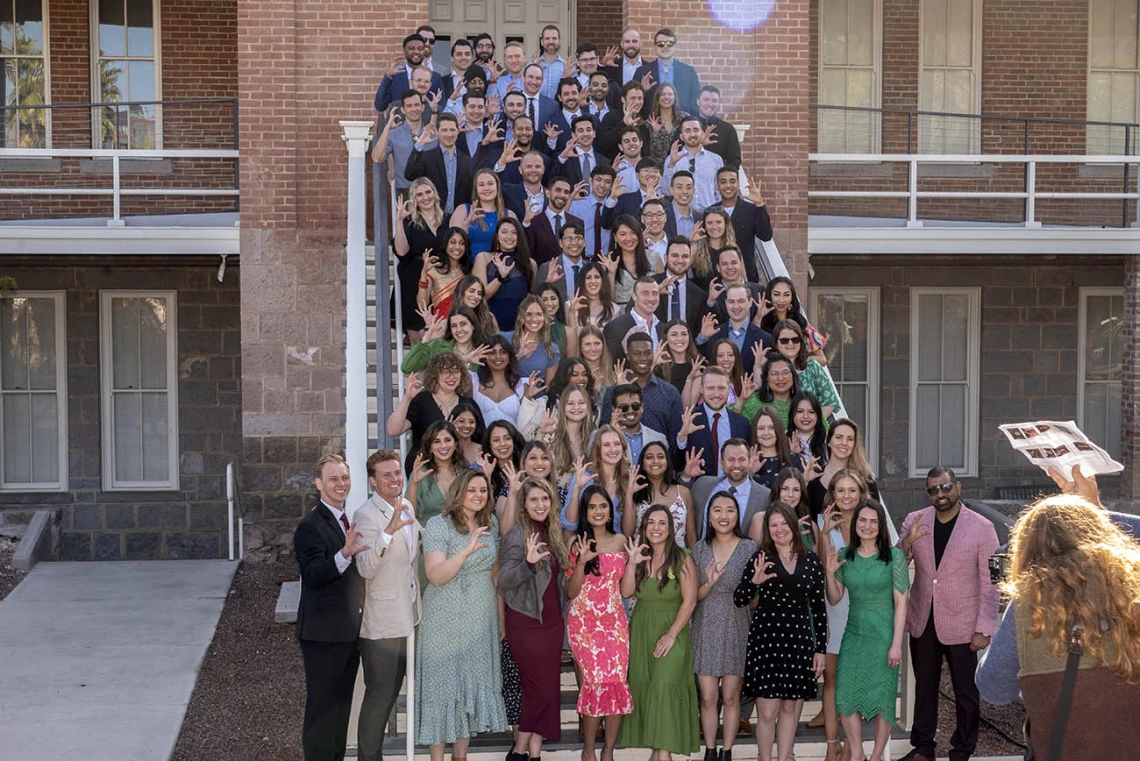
<point x="876" y="578"/>
<point x="663" y="577"/>
<point x="789" y="339"/>
<point x="777" y="386"/>
<point x="438" y="463"/>
<point x="458" y="676"/>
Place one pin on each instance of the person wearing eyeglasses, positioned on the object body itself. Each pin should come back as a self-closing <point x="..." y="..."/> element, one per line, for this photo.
<point x="668" y="70"/>
<point x="627" y="411"/>
<point x="952" y="612"/>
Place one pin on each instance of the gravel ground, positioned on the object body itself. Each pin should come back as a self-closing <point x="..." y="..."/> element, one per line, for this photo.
<point x="9" y="576"/>
<point x="1009" y="719"/>
<point x="250" y="695"/>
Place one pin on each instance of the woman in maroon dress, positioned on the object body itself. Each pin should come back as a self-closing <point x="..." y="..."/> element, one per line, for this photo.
<point x="533" y="588"/>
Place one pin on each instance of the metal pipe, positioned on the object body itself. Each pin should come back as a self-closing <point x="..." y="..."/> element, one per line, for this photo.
<point x="410" y="734"/>
<point x="230" y="509"/>
<point x="382" y="236"/>
<point x="241" y="538"/>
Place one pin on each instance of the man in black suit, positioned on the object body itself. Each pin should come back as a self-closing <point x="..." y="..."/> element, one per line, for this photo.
<point x="578" y="158"/>
<point x="681" y="298"/>
<point x="528" y="190"/>
<point x="462" y="56"/>
<point x="642" y="318"/>
<point x="559" y="128"/>
<point x="710" y="425"/>
<point x="564" y="271"/>
<point x="750" y="221"/>
<point x="329" y="615"/>
<point x="682" y="76"/>
<point x="600" y="96"/>
<point x="437" y="158"/>
<point x="473" y="123"/>
<point x="726" y="143"/>
<point x="543" y="229"/>
<point x="681" y="214"/>
<point x="649" y="186"/>
<point x="538" y="107"/>
<point x="628" y="115"/>
<point x="738" y="328"/>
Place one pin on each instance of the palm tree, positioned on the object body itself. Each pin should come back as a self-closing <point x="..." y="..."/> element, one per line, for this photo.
<point x="24" y="127"/>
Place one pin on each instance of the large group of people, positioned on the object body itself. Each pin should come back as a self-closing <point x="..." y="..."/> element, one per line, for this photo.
<point x="624" y="453"/>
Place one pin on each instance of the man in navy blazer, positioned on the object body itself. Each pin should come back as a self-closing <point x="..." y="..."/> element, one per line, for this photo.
<point x="540" y="108"/>
<point x="396" y="80"/>
<point x="529" y="189"/>
<point x="578" y="158"/>
<point x="428" y="160"/>
<point x="738" y="328"/>
<point x="750" y="221"/>
<point x="709" y="425"/>
<point x="666" y="69"/>
<point x="543" y="229"/>
<point x="561" y="122"/>
<point x="649" y="182"/>
<point x="329" y="613"/>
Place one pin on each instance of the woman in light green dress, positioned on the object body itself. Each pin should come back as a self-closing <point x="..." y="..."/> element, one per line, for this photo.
<point x="435" y="467"/>
<point x="663" y="577"/>
<point x="876" y="578"/>
<point x="788" y="338"/>
<point x="458" y="676"/>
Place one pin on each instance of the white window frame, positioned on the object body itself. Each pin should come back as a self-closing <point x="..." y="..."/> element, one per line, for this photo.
<point x="106" y="369"/>
<point x="973" y="379"/>
<point x="976" y="71"/>
<point x="46" y="55"/>
<point x="1082" y="324"/>
<point x="1092" y="130"/>
<point x="96" y="85"/>
<point x="872" y="425"/>
<point x="876" y="74"/>
<point x="60" y="484"/>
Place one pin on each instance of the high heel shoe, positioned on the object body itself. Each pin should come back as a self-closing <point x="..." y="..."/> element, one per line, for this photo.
<point x="725" y="754"/>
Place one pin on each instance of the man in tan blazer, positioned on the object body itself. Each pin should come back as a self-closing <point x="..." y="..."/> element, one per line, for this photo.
<point x="391" y="596"/>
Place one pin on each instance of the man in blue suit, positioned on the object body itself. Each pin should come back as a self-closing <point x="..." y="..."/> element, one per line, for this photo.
<point x="396" y="81"/>
<point x="538" y="107"/>
<point x="709" y="425"/>
<point x="670" y="71"/>
<point x="569" y="98"/>
<point x="738" y="328"/>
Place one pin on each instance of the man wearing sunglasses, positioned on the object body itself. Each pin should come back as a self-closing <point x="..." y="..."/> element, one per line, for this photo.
<point x="667" y="69"/>
<point x="627" y="416"/>
<point x="952" y="611"/>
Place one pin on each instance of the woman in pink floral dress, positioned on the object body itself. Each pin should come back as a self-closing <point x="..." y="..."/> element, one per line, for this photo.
<point x="596" y="621"/>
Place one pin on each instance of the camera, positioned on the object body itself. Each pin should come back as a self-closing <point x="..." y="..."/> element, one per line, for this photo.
<point x="1000" y="564"/>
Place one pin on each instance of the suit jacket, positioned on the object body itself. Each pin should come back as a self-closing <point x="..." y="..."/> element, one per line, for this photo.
<point x="721" y="310"/>
<point x="547" y="108"/>
<point x="558" y="119"/>
<point x="727" y="144"/>
<point x="429" y="164"/>
<point x="752" y="334"/>
<point x="329" y="610"/>
<point x="391" y="88"/>
<point x="627" y="203"/>
<point x="511" y="175"/>
<point x="616" y="329"/>
<point x="515" y="196"/>
<point x="750" y="222"/>
<point x="609" y="133"/>
<point x="541" y="239"/>
<point x="695" y="301"/>
<point x="671" y="216"/>
<point x="560" y="283"/>
<point x="738" y="425"/>
<point x="685" y="79"/>
<point x="572" y="168"/>
<point x="959" y="588"/>
<point x="391" y="600"/>
<point x="702" y="488"/>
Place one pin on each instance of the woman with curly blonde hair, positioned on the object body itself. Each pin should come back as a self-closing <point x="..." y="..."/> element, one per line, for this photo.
<point x="719" y="235"/>
<point x="1074" y="580"/>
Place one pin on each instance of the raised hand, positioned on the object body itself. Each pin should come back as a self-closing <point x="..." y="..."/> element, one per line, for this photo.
<point x="352" y="543"/>
<point x="621" y="373"/>
<point x="687" y="425"/>
<point x="610" y="58"/>
<point x="511" y="153"/>
<point x="662" y="355"/>
<point x="676" y="151"/>
<point x="527" y="346"/>
<point x="580" y="191"/>
<point x="813" y="469"/>
<point x="653" y="122"/>
<point x="716" y="288"/>
<point x="494" y="132"/>
<point x="570" y="150"/>
<point x="420" y="469"/>
<point x="747" y="387"/>
<point x="486" y="463"/>
<point x="395" y="119"/>
<point x="832" y="517"/>
<point x="647" y="81"/>
<point x="709" y="325"/>
<point x="698" y="231"/>
<point x="708" y="137"/>
<point x="609" y="262"/>
<point x="572" y="307"/>
<point x="760" y="570"/>
<point x="554" y="272"/>
<point x="476" y="356"/>
<point x="535" y="549"/>
<point x="1081" y="485"/>
<point x="414" y="385"/>
<point x="494" y="104"/>
<point x="514" y="477"/>
<point x="428" y="133"/>
<point x="552" y="131"/>
<point x="433" y="99"/>
<point x="713" y="572"/>
<point x="918" y="529"/>
<point x="473" y="544"/>
<point x="530" y="213"/>
<point x="638" y="553"/>
<point x="694" y="464"/>
<point x="397" y="522"/>
<point x="618" y="188"/>
<point x="637" y="480"/>
<point x="404" y="210"/>
<point x="754" y="460"/>
<point x="533" y="385"/>
<point x="631" y="116"/>
<point x="665" y="287"/>
<point x="763" y="307"/>
<point x="698" y="368"/>
<point x="395" y="68"/>
<point x="582" y="473"/>
<point x="549" y="423"/>
<point x="587" y="550"/>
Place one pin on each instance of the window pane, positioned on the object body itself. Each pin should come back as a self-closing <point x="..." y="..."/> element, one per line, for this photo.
<point x="41" y="344"/>
<point x="1098" y="337"/>
<point x="929" y="346"/>
<point x="30" y="86"/>
<point x="140" y="31"/>
<point x="926" y="428"/>
<point x="1102" y="40"/>
<point x="14" y="349"/>
<point x="112" y="28"/>
<point x="1124" y="40"/>
<point x="127" y="410"/>
<point x="854" y="397"/>
<point x="17" y="454"/>
<point x="125" y="343"/>
<point x="955" y="338"/>
<point x="934" y="32"/>
<point x="7" y="40"/>
<point x="143" y="119"/>
<point x="952" y="427"/>
<point x="833" y="32"/>
<point x="960" y="32"/>
<point x="861" y="33"/>
<point x="152" y="343"/>
<point x="29" y="27"/>
<point x="154" y="438"/>
<point x="45" y="438"/>
<point x="1112" y="413"/>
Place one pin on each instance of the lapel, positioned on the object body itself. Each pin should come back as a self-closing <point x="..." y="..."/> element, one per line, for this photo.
<point x="332" y="524"/>
<point x="961" y="526"/>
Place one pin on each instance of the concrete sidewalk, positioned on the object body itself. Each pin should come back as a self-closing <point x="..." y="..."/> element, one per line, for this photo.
<point x="100" y="659"/>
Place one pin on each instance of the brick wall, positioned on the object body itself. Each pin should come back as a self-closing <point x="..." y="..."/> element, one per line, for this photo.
<point x="146" y="525"/>
<point x="599" y="22"/>
<point x="1028" y="353"/>
<point x="1130" y="412"/>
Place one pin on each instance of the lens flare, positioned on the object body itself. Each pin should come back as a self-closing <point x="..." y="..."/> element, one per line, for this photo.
<point x="741" y="15"/>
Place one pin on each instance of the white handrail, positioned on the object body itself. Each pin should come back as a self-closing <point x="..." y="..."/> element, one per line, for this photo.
<point x="230" y="490"/>
<point x="124" y="153"/>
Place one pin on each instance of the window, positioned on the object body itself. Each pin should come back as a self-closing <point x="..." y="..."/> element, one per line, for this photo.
<point x="138" y="355"/>
<point x="850" y="52"/>
<point x="33" y="392"/>
<point x="24" y="74"/>
<point x="849" y="319"/>
<point x="1100" y="365"/>
<point x="1114" y="74"/>
<point x="950" y="75"/>
<point x="944" y="359"/>
<point x="126" y="69"/>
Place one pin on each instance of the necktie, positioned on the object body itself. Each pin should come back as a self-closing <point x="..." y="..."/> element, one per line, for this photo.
<point x="571" y="286"/>
<point x="732" y="490"/>
<point x="597" y="228"/>
<point x="530" y="112"/>
<point x="675" y="303"/>
<point x="344" y="522"/>
<point x="585" y="166"/>
<point x="557" y="225"/>
<point x="715" y="443"/>
<point x="693" y="165"/>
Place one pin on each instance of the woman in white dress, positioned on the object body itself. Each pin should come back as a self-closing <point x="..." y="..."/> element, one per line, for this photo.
<point x="659" y="486"/>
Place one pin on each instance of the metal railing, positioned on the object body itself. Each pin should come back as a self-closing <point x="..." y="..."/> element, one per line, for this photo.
<point x="384" y="198"/>
<point x="1030" y="195"/>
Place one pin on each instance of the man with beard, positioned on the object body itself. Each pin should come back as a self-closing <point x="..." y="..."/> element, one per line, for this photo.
<point x="553" y="65"/>
<point x="559" y="124"/>
<point x="624" y="72"/>
<point x="485" y="51"/>
<point x="668" y="70"/>
<point x="952" y="611"/>
<point x="681" y="298"/>
<point x="398" y="138"/>
<point x="398" y="77"/>
<point x="661" y="402"/>
<point x="544" y="228"/>
<point x="750" y="221"/>
<point x="629" y="407"/>
<point x="724" y="140"/>
<point x="587" y="59"/>
<point x="629" y="156"/>
<point x="462" y="56"/>
<point x="510" y="79"/>
<point x="629" y="115"/>
<point x="509" y="165"/>
<point x="690" y="155"/>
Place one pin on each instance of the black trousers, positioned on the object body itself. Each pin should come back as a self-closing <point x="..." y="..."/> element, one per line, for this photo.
<point x="330" y="675"/>
<point x="385" y="662"/>
<point x="926" y="655"/>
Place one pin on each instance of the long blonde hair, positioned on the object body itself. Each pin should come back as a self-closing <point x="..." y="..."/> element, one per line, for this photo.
<point x="858" y="459"/>
<point x="621" y="470"/>
<point x="606" y="377"/>
<point x="500" y="208"/>
<point x="702" y="264"/>
<point x="1073" y="567"/>
<point x="561" y="453"/>
<point x="520" y="325"/>
<point x="555" y="538"/>
<point x="418" y="218"/>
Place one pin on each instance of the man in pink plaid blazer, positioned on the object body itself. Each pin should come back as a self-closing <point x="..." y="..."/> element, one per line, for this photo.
<point x="952" y="611"/>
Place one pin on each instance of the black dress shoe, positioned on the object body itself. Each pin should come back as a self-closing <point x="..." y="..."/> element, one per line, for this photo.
<point x="726" y="754"/>
<point x="710" y="754"/>
<point x="916" y="755"/>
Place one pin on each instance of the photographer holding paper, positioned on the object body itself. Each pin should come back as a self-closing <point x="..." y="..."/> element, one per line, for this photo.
<point x="1069" y="642"/>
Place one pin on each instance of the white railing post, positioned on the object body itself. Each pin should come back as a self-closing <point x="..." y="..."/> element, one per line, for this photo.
<point x="393" y="204"/>
<point x="1031" y="194"/>
<point x="355" y="136"/>
<point x="912" y="201"/>
<point x="230" y="509"/>
<point x="116" y="189"/>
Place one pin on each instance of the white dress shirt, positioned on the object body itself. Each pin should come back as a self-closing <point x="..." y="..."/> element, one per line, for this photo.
<point x="629" y="69"/>
<point x="650" y="326"/>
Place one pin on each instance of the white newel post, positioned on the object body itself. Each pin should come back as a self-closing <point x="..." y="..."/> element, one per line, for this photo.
<point x="356" y="139"/>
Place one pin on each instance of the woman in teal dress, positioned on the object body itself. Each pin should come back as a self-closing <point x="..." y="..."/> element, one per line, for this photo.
<point x="663" y="577"/>
<point x="876" y="578"/>
<point x="438" y="462"/>
<point x="458" y="677"/>
<point x="789" y="339"/>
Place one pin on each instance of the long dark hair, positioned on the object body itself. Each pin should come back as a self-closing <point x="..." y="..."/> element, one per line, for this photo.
<point x="486" y="324"/>
<point x="466" y="262"/>
<point x="498" y="477"/>
<point x="668" y="478"/>
<point x="478" y="337"/>
<point x="801" y="358"/>
<point x="511" y="372"/>
<point x="561" y="380"/>
<point x="585" y="531"/>
<point x="710" y="532"/>
<point x="560" y="312"/>
<point x="767" y="545"/>
<point x="882" y="540"/>
<point x="819" y="433"/>
<point x="523" y="261"/>
<point x="775" y="357"/>
<point x="795" y="311"/>
<point x="641" y="259"/>
<point x="782" y="451"/>
<point x="736" y="374"/>
<point x="457" y="462"/>
<point x="605" y="294"/>
<point x="803" y="509"/>
<point x="674" y="558"/>
<point x="459" y="409"/>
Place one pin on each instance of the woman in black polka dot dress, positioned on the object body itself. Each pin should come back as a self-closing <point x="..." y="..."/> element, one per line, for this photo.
<point x="788" y="634"/>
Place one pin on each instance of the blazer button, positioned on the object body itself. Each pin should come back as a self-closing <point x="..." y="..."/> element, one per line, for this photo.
<point x="936" y="581"/>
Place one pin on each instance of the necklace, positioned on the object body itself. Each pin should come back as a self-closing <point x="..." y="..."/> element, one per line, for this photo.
<point x="445" y="408"/>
